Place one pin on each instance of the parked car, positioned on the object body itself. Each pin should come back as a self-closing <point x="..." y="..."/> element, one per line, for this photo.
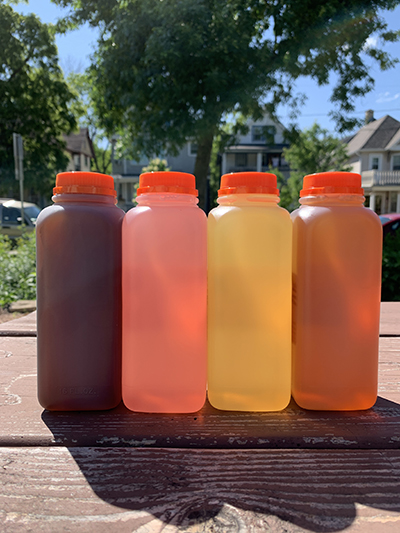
<point x="390" y="223"/>
<point x="11" y="218"/>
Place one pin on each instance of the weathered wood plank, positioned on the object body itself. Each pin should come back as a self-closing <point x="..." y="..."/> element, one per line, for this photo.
<point x="122" y="489"/>
<point x="21" y="327"/>
<point x="24" y="423"/>
<point x="390" y="318"/>
<point x="389" y="322"/>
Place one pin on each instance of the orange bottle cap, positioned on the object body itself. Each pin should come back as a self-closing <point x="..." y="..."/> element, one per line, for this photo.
<point x="84" y="183"/>
<point x="166" y="181"/>
<point x="248" y="182"/>
<point x="331" y="183"/>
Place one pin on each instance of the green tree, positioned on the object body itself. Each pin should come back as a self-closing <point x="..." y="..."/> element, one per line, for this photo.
<point x="312" y="150"/>
<point x="167" y="71"/>
<point x="17" y="269"/>
<point x="85" y="110"/>
<point x="34" y="102"/>
<point x="156" y="165"/>
<point x="391" y="268"/>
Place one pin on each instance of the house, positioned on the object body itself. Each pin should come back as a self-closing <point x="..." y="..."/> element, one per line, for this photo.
<point x="260" y="149"/>
<point x="80" y="150"/>
<point x="374" y="152"/>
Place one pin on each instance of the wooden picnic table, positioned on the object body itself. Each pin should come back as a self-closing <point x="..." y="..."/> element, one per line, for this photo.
<point x="292" y="471"/>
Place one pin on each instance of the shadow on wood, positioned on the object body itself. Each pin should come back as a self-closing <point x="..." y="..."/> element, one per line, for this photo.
<point x="244" y="490"/>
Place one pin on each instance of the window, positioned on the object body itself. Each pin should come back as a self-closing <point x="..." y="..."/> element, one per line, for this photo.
<point x="11" y="216"/>
<point x="378" y="204"/>
<point x="77" y="162"/>
<point x="193" y="147"/>
<point x="86" y="161"/>
<point x="240" y="160"/>
<point x="271" y="160"/>
<point x="396" y="162"/>
<point x="264" y="134"/>
<point x="375" y="161"/>
<point x="393" y="202"/>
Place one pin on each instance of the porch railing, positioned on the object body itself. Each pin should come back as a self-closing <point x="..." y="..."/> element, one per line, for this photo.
<point x="372" y="178"/>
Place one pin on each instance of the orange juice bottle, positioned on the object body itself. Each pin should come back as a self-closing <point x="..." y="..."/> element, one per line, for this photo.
<point x="164" y="279"/>
<point x="249" y="296"/>
<point x="79" y="295"/>
<point x="337" y="259"/>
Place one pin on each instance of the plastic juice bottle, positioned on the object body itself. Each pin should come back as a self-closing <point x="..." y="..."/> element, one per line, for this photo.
<point x="337" y="260"/>
<point x="164" y="274"/>
<point x="79" y="295"/>
<point x="249" y="296"/>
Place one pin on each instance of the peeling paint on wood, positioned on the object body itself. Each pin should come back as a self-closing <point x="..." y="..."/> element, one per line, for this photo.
<point x="92" y="489"/>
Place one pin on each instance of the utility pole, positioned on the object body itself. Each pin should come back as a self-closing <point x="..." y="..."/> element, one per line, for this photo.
<point x="19" y="169"/>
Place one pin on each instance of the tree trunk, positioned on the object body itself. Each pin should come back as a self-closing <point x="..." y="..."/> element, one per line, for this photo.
<point x="201" y="169"/>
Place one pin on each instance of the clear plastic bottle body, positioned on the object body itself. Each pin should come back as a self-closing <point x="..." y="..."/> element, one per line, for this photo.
<point x="79" y="303"/>
<point x="337" y="260"/>
<point x="249" y="304"/>
<point x="164" y="304"/>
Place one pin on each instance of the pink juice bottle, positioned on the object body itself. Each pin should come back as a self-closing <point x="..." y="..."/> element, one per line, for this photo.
<point x="79" y="295"/>
<point x="164" y="302"/>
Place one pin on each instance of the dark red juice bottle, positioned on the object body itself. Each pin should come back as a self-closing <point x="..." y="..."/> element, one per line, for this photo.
<point x="79" y="295"/>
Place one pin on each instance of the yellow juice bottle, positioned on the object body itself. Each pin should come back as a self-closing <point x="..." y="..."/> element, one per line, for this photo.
<point x="249" y="296"/>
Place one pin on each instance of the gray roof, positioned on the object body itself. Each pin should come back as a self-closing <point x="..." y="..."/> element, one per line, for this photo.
<point x="377" y="135"/>
<point x="80" y="143"/>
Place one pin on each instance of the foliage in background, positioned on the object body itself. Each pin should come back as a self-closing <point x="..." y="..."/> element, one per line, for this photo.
<point x="85" y="110"/>
<point x="156" y="165"/>
<point x="285" y="198"/>
<point x="169" y="71"/>
<point x="391" y="268"/>
<point x="34" y="102"/>
<point x="17" y="269"/>
<point x="312" y="150"/>
<point x="230" y="127"/>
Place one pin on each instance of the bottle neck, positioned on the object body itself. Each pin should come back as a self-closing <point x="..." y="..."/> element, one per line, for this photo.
<point x="333" y="200"/>
<point x="84" y="199"/>
<point x="249" y="199"/>
<point x="167" y="199"/>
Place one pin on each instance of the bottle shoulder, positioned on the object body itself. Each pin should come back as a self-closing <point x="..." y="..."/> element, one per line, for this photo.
<point x="271" y="211"/>
<point x="78" y="211"/>
<point x="348" y="220"/>
<point x="316" y="212"/>
<point x="165" y="212"/>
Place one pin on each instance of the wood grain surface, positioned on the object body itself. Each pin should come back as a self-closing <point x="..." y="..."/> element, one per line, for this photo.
<point x="24" y="423"/>
<point x="289" y="472"/>
<point x="125" y="489"/>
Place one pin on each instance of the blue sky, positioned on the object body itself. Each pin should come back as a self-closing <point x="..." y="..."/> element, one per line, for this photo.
<point x="75" y="49"/>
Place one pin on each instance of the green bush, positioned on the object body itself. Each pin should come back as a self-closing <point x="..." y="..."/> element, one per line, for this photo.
<point x="17" y="269"/>
<point x="391" y="268"/>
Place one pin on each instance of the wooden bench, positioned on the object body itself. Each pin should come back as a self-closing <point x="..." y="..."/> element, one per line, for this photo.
<point x="210" y="471"/>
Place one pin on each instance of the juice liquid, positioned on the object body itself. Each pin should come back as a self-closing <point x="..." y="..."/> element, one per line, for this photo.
<point x="249" y="304"/>
<point x="337" y="260"/>
<point x="164" y="304"/>
<point x="79" y="303"/>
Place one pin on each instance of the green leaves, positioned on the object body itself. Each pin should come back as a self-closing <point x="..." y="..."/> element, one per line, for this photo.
<point x="313" y="150"/>
<point x="17" y="269"/>
<point x="170" y="70"/>
<point x="391" y="268"/>
<point x="34" y="99"/>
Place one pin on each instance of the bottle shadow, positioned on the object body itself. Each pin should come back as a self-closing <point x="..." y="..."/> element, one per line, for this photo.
<point x="235" y="489"/>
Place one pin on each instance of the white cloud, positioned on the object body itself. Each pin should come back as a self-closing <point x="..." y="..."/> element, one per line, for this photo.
<point x="387" y="97"/>
<point x="371" y="42"/>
